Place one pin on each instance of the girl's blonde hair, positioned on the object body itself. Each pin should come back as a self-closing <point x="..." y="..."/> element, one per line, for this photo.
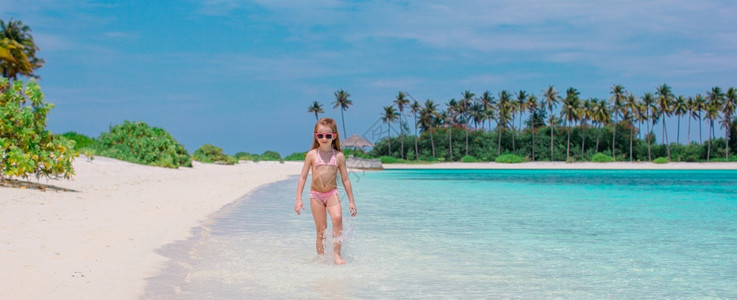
<point x="327" y="122"/>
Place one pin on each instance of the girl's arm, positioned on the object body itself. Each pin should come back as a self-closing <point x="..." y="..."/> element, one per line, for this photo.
<point x="346" y="183"/>
<point x="298" y="205"/>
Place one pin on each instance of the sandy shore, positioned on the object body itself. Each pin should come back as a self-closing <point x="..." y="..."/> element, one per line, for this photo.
<point x="574" y="166"/>
<point x="100" y="240"/>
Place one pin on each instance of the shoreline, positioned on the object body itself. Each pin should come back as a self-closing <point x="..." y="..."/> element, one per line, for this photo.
<point x="567" y="166"/>
<point x="103" y="239"/>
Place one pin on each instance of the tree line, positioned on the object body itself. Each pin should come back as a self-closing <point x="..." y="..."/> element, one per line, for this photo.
<point x="491" y="125"/>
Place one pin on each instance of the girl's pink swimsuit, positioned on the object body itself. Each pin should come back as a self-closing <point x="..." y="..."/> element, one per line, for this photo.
<point x="324" y="178"/>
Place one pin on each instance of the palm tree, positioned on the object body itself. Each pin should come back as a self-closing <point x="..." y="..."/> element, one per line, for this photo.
<point x="700" y="105"/>
<point x="477" y="114"/>
<point x="342" y="101"/>
<point x="401" y="101"/>
<point x="17" y="50"/>
<point x="464" y="106"/>
<point x="632" y="107"/>
<point x="727" y="110"/>
<point x="427" y="121"/>
<point x="487" y="101"/>
<point x="649" y="102"/>
<point x="665" y="97"/>
<point x="533" y="106"/>
<point x="390" y="116"/>
<point x="569" y="112"/>
<point x="416" y="108"/>
<point x="691" y="104"/>
<point x="715" y="97"/>
<point x="315" y="108"/>
<point x="712" y="113"/>
<point x="600" y="115"/>
<point x="680" y="108"/>
<point x="453" y="108"/>
<point x="519" y="106"/>
<point x="618" y="96"/>
<point x="551" y="100"/>
<point x="584" y="114"/>
<point x="504" y="107"/>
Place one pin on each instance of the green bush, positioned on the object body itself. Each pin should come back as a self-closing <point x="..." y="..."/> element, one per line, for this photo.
<point x="26" y="147"/>
<point x="660" y="160"/>
<point x="388" y="159"/>
<point x="602" y="158"/>
<point x="81" y="141"/>
<point x="469" y="158"/>
<point x="209" y="153"/>
<point x="270" y="156"/>
<point x="298" y="156"/>
<point x="137" y="142"/>
<point x="246" y="156"/>
<point x="509" y="159"/>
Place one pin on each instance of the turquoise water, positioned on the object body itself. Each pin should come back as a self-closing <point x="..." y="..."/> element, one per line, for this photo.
<point x="477" y="234"/>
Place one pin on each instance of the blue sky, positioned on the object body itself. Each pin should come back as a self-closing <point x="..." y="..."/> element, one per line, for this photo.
<point x="241" y="74"/>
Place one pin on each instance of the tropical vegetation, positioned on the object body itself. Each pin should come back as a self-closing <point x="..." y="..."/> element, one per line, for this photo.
<point x="17" y="50"/>
<point x="137" y="142"/>
<point x="621" y="126"/>
<point x="209" y="153"/>
<point x="26" y="146"/>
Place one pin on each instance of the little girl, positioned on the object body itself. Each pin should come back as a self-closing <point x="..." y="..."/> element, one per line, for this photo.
<point x="326" y="159"/>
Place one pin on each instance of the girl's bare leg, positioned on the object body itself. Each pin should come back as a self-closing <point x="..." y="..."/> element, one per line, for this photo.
<point x="321" y="223"/>
<point x="336" y="216"/>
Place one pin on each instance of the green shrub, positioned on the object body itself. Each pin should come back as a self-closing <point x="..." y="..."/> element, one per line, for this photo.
<point x="81" y="141"/>
<point x="388" y="159"/>
<point x="246" y="156"/>
<point x="660" y="160"/>
<point x="209" y="153"/>
<point x="469" y="158"/>
<point x="297" y="156"/>
<point x="270" y="156"/>
<point x="26" y="147"/>
<point x="509" y="159"/>
<point x="137" y="142"/>
<point x="601" y="157"/>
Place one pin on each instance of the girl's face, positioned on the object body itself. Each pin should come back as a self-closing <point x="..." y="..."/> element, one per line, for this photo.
<point x="325" y="135"/>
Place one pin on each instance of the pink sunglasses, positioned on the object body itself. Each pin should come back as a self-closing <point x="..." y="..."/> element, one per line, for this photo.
<point x="325" y="135"/>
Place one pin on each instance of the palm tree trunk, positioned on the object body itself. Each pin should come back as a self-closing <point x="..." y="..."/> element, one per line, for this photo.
<point x="450" y="141"/>
<point x="533" y="144"/>
<point x="401" y="137"/>
<point x="614" y="135"/>
<point x="552" y="128"/>
<point x="568" y="145"/>
<point x="598" y="133"/>
<point x="499" y="144"/>
<point x="678" y="132"/>
<point x="701" y="140"/>
<point x="466" y="138"/>
<point x="665" y="138"/>
<point x="632" y="129"/>
<point x="583" y="140"/>
<point x="514" y="149"/>
<point x="726" y="137"/>
<point x="417" y="152"/>
<point x="688" y="133"/>
<point x="389" y="135"/>
<point x="432" y="143"/>
<point x="343" y="120"/>
<point x="708" y="151"/>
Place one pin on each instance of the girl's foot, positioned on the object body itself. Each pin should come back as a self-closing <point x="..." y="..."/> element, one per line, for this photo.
<point x="339" y="260"/>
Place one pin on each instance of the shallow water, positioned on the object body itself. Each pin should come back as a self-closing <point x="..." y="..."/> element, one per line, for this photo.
<point x="476" y="234"/>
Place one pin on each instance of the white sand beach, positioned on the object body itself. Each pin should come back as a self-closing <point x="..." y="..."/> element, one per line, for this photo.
<point x="100" y="240"/>
<point x="574" y="166"/>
